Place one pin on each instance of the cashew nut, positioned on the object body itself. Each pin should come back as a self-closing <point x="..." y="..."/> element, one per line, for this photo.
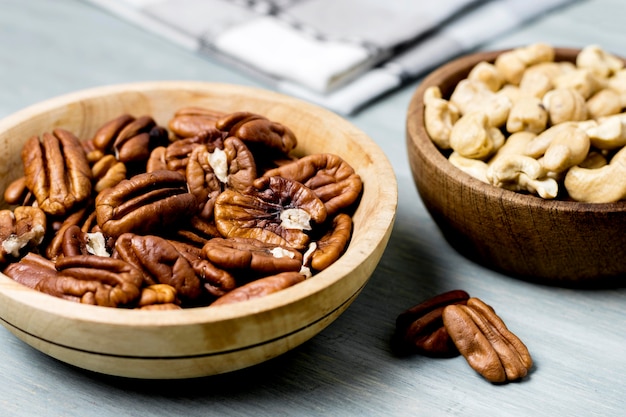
<point x="527" y="114"/>
<point x="473" y="137"/>
<point x="513" y="63"/>
<point x="488" y="74"/>
<point x="474" y="167"/>
<point x="538" y="146"/>
<point x="598" y="61"/>
<point x="535" y="84"/>
<point x="600" y="185"/>
<point x="605" y="102"/>
<point x="522" y="173"/>
<point x="609" y="133"/>
<point x="469" y="95"/>
<point x="565" y="104"/>
<point x="580" y="79"/>
<point x="439" y="117"/>
<point x="569" y="146"/>
<point x="514" y="145"/>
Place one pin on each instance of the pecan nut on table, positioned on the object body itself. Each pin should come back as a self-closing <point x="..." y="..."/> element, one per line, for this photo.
<point x="454" y="323"/>
<point x="212" y="209"/>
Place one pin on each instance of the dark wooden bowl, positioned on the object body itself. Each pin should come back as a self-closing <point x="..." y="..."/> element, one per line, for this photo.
<point x="549" y="241"/>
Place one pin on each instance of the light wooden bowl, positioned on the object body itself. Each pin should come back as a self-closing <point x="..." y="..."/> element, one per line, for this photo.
<point x="206" y="340"/>
<point x="556" y="242"/>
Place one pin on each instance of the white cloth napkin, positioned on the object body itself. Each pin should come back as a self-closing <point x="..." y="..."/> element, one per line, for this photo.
<point x="341" y="54"/>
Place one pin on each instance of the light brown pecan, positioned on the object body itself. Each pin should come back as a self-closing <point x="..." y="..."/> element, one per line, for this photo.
<point x="157" y="294"/>
<point x="275" y="210"/>
<point x="213" y="167"/>
<point x="260" y="288"/>
<point x="485" y="342"/>
<point x="420" y="329"/>
<point x="257" y="130"/>
<point x="333" y="243"/>
<point x="192" y="121"/>
<point x="107" y="172"/>
<point x="145" y="203"/>
<point x="330" y="177"/>
<point x="95" y="280"/>
<point x="161" y="263"/>
<point x="17" y="193"/>
<point x="253" y="255"/>
<point x="21" y="229"/>
<point x="57" y="171"/>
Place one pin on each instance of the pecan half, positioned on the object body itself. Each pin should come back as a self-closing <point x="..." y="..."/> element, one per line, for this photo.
<point x="330" y="177"/>
<point x="30" y="270"/>
<point x="255" y="129"/>
<point x="192" y="121"/>
<point x="57" y="171"/>
<point x="178" y="152"/>
<point x="160" y="262"/>
<point x="420" y="329"/>
<point x="216" y="281"/>
<point x="260" y="288"/>
<point x="77" y="242"/>
<point x="275" y="210"/>
<point x="107" y="172"/>
<point x="330" y="246"/>
<point x="252" y="254"/>
<point x="24" y="227"/>
<point x="212" y="168"/>
<point x="485" y="341"/>
<point x="95" y="280"/>
<point x="145" y="203"/>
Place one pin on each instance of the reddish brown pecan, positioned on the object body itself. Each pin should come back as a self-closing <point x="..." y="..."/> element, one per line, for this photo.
<point x="17" y="193"/>
<point x="420" y="329"/>
<point x="192" y="121"/>
<point x="161" y="263"/>
<point x="213" y="167"/>
<point x="216" y="281"/>
<point x="330" y="177"/>
<point x="145" y="203"/>
<point x="77" y="242"/>
<point x="252" y="254"/>
<point x="485" y="341"/>
<point x="57" y="171"/>
<point x="332" y="244"/>
<point x="255" y="129"/>
<point x="21" y="229"/>
<point x="260" y="288"/>
<point x="95" y="280"/>
<point x="30" y="270"/>
<point x="177" y="153"/>
<point x="275" y="210"/>
<point x="105" y="136"/>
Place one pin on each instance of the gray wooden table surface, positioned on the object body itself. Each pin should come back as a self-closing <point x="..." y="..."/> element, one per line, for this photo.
<point x="577" y="337"/>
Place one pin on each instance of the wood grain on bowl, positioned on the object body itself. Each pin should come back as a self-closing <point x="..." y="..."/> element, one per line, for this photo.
<point x="549" y="241"/>
<point x="203" y="340"/>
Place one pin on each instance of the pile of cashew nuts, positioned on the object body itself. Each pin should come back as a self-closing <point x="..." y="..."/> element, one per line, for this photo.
<point x="529" y="123"/>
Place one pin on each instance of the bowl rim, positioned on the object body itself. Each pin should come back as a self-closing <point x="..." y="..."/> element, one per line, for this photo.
<point x="418" y="137"/>
<point x="378" y="233"/>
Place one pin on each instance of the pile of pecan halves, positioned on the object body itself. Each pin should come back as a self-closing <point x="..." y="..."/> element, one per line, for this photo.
<point x="454" y="323"/>
<point x="210" y="210"/>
